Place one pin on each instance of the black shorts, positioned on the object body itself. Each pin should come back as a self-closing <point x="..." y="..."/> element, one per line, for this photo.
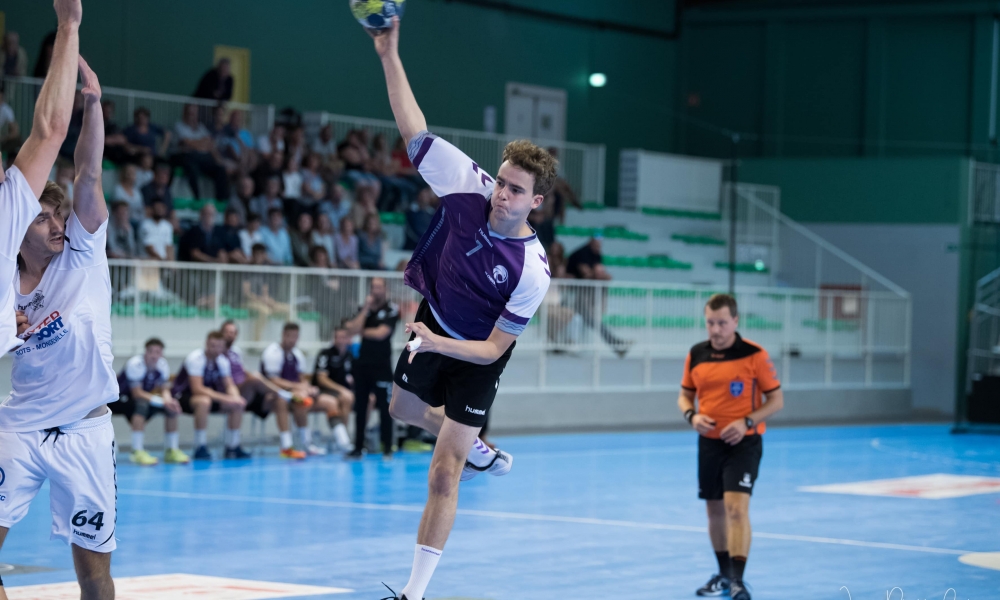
<point x="186" y="408"/>
<point x="128" y="407"/>
<point x="255" y="393"/>
<point x="465" y="390"/>
<point x="724" y="468"/>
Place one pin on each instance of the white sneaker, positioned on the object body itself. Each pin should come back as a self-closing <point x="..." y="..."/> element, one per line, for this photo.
<point x="499" y="466"/>
<point x="314" y="450"/>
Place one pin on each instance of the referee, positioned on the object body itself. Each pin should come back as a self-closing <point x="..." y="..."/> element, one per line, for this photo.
<point x="737" y="389"/>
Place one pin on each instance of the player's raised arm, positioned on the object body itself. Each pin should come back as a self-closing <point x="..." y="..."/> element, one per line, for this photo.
<point x="88" y="202"/>
<point x="409" y="118"/>
<point x="55" y="102"/>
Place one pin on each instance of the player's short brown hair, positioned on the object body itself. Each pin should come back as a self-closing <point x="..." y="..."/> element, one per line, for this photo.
<point x="155" y="342"/>
<point x="535" y="160"/>
<point x="54" y="196"/>
<point x="215" y="335"/>
<point x="717" y="301"/>
<point x="290" y="326"/>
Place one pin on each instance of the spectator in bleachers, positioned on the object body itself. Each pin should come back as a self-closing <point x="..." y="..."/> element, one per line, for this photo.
<point x="418" y="217"/>
<point x="557" y="260"/>
<point x="158" y="190"/>
<point x="355" y="166"/>
<point x="10" y="131"/>
<point x="270" y="168"/>
<point x="241" y="200"/>
<point x="324" y="236"/>
<point x="365" y="203"/>
<point x="144" y="171"/>
<point x="227" y="237"/>
<point x="262" y="396"/>
<point x="144" y="134"/>
<point x="250" y="236"/>
<point x="346" y="245"/>
<point x="196" y="154"/>
<point x="65" y="174"/>
<point x="301" y="240"/>
<point x="586" y="263"/>
<point x="291" y="178"/>
<point x="561" y="194"/>
<point x="117" y="148"/>
<point x="399" y="192"/>
<point x="205" y="385"/>
<point x="45" y="55"/>
<point x="371" y="244"/>
<point x="270" y="200"/>
<point x="13" y="58"/>
<point x="297" y="147"/>
<point x="272" y="143"/>
<point x="68" y="147"/>
<point x="121" y="235"/>
<point x="319" y="258"/>
<point x="325" y="145"/>
<point x="216" y="83"/>
<point x="198" y="244"/>
<point x="276" y="239"/>
<point x="239" y="144"/>
<point x="313" y="186"/>
<point x="336" y="206"/>
<point x="404" y="166"/>
<point x="145" y="392"/>
<point x="156" y="234"/>
<point x="128" y="192"/>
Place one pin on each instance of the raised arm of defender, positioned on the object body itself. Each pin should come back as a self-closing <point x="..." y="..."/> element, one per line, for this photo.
<point x="88" y="202"/>
<point x="409" y="118"/>
<point x="54" y="107"/>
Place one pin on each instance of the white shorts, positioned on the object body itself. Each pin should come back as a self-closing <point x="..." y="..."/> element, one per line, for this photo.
<point x="80" y="466"/>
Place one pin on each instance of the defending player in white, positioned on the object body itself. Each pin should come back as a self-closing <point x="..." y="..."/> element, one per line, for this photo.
<point x="483" y="274"/>
<point x="56" y="424"/>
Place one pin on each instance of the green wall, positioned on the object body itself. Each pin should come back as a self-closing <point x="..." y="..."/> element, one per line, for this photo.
<point x="312" y="55"/>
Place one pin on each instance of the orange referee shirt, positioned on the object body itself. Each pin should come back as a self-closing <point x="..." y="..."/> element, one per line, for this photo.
<point x="729" y="383"/>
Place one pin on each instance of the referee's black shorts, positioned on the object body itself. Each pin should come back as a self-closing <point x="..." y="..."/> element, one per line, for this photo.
<point x="723" y="468"/>
<point x="465" y="390"/>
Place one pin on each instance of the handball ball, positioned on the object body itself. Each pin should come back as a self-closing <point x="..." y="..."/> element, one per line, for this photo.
<point x="377" y="14"/>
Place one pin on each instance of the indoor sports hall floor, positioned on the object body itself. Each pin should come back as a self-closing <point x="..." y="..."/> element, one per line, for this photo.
<point x="595" y="516"/>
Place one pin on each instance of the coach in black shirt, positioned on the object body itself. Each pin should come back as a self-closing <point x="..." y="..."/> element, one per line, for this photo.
<point x="374" y="368"/>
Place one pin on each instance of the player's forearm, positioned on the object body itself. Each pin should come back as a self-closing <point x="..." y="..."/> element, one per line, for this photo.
<point x="141" y="394"/>
<point x="90" y="147"/>
<point x="773" y="403"/>
<point x="283" y="384"/>
<point x="409" y="118"/>
<point x="476" y="352"/>
<point x="55" y="102"/>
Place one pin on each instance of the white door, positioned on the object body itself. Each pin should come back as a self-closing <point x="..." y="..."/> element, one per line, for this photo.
<point x="536" y="112"/>
<point x="521" y="116"/>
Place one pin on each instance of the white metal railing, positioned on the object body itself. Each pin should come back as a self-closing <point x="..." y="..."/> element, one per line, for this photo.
<point x="816" y="337"/>
<point x="165" y="109"/>
<point x="582" y="165"/>
<point x="984" y="333"/>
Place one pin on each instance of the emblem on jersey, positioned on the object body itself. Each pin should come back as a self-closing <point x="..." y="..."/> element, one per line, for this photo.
<point x="500" y="274"/>
<point x="35" y="303"/>
<point x="736" y="388"/>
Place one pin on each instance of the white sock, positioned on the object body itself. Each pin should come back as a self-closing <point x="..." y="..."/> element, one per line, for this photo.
<point x="137" y="438"/>
<point x="425" y="560"/>
<point x="173" y="440"/>
<point x="340" y="435"/>
<point x="200" y="438"/>
<point x="232" y="438"/>
<point x="481" y="455"/>
<point x="286" y="440"/>
<point x="306" y="435"/>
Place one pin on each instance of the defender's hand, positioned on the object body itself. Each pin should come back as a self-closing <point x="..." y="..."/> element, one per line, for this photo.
<point x="68" y="12"/>
<point x="703" y="424"/>
<point x="387" y="40"/>
<point x="91" y="86"/>
<point x="734" y="432"/>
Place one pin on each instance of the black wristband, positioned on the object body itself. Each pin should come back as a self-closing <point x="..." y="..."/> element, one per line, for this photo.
<point x="688" y="415"/>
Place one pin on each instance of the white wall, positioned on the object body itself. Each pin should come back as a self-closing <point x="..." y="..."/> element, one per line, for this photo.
<point x="924" y="260"/>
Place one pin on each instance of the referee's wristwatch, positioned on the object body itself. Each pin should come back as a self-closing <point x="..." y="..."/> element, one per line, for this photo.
<point x="748" y="422"/>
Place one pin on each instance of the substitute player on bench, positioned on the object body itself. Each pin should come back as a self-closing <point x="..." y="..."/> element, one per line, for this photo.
<point x="482" y="273"/>
<point x="734" y="383"/>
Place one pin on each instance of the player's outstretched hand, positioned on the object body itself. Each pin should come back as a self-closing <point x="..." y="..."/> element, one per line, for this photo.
<point x="22" y="322"/>
<point x="386" y="40"/>
<point x="428" y="340"/>
<point x="733" y="433"/>
<point x="68" y="11"/>
<point x="703" y="423"/>
<point x="91" y="86"/>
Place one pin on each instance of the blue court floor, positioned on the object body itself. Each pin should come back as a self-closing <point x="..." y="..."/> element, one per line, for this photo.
<point x="595" y="516"/>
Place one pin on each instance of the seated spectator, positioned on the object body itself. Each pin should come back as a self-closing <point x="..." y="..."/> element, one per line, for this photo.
<point x="404" y="166"/>
<point x="198" y="244"/>
<point x="158" y="190"/>
<point x="397" y="191"/>
<point x="313" y="185"/>
<point x="557" y="260"/>
<point x="251" y="236"/>
<point x="238" y="143"/>
<point x="585" y="262"/>
<point x="128" y="192"/>
<point x="292" y="179"/>
<point x="301" y="240"/>
<point x="241" y="200"/>
<point x="216" y="83"/>
<point x="10" y="131"/>
<point x="271" y="167"/>
<point x="223" y="144"/>
<point x="143" y="134"/>
<point x="325" y="145"/>
<point x="227" y="237"/>
<point x="336" y="206"/>
<point x="323" y="236"/>
<point x="276" y="239"/>
<point x="196" y="154"/>
<point x="371" y="244"/>
<point x="297" y="147"/>
<point x="365" y="203"/>
<point x="121" y="235"/>
<point x="117" y="148"/>
<point x="356" y="167"/>
<point x="262" y="205"/>
<point x="346" y="245"/>
<point x="156" y="234"/>
<point x="418" y="218"/>
<point x="272" y="143"/>
<point x="319" y="258"/>
<point x="561" y="195"/>
<point x="45" y="55"/>
<point x="13" y="58"/>
<point x="144" y="171"/>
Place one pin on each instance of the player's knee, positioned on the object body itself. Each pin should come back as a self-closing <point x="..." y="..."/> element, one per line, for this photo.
<point x="444" y="477"/>
<point x="716" y="508"/>
<point x="736" y="511"/>
<point x="347" y="399"/>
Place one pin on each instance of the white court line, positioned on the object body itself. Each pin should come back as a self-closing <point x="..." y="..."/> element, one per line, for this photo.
<point x="413" y="508"/>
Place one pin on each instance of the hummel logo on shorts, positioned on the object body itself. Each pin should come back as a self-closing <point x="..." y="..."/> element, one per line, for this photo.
<point x="405" y="380"/>
<point x="474" y="411"/>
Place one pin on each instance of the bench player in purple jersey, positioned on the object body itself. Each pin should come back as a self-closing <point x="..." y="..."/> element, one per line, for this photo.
<point x="482" y="273"/>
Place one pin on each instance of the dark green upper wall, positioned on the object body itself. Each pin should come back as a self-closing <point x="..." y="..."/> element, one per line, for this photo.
<point x="312" y="55"/>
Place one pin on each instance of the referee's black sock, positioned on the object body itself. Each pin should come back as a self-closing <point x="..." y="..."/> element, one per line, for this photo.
<point x="725" y="568"/>
<point x="739" y="564"/>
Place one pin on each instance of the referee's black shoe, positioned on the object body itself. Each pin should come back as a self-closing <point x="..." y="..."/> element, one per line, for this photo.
<point x="716" y="586"/>
<point x="393" y="596"/>
<point x="738" y="591"/>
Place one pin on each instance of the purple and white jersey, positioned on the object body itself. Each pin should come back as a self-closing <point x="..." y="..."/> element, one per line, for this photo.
<point x="473" y="278"/>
